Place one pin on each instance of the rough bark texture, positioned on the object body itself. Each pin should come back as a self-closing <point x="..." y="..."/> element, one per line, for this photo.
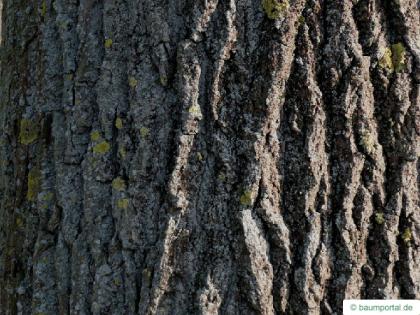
<point x="208" y="157"/>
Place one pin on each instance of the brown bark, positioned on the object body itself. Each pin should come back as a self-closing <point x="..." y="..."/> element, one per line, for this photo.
<point x="208" y="157"/>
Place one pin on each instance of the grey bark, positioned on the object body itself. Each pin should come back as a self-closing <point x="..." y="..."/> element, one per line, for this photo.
<point x="208" y="157"/>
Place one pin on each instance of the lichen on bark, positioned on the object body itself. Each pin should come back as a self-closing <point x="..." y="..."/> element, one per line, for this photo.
<point x="208" y="157"/>
<point x="393" y="58"/>
<point x="275" y="8"/>
<point x="28" y="131"/>
<point x="34" y="184"/>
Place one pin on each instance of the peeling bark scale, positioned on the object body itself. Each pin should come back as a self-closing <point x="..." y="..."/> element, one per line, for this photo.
<point x="207" y="156"/>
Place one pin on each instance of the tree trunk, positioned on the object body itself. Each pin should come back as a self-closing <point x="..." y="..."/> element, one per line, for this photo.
<point x="208" y="157"/>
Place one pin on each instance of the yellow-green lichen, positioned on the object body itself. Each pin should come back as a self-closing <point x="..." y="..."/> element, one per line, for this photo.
<point x="118" y="184"/>
<point x="122" y="152"/>
<point x="393" y="58"/>
<point x="63" y="24"/>
<point x="44" y="8"/>
<point x="68" y="76"/>
<point x="102" y="147"/>
<point x="379" y="218"/>
<point x="221" y="177"/>
<point x="301" y="20"/>
<point x="147" y="276"/>
<point x="398" y="56"/>
<point x="34" y="184"/>
<point x="194" y="109"/>
<point x="95" y="135"/>
<point x="28" y="131"/>
<point x="43" y="260"/>
<point x="48" y="196"/>
<point x="132" y="82"/>
<point x="117" y="282"/>
<point x="144" y="132"/>
<point x="407" y="235"/>
<point x="163" y="80"/>
<point x="118" y="123"/>
<point x="246" y="198"/>
<point x="122" y="203"/>
<point x="19" y="222"/>
<point x="108" y="43"/>
<point x="199" y="156"/>
<point x="275" y="8"/>
<point x="386" y="61"/>
<point x="367" y="142"/>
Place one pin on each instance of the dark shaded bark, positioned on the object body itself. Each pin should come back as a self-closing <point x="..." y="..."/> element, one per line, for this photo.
<point x="208" y="157"/>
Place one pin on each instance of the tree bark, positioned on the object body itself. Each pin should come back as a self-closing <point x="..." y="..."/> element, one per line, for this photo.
<point x="208" y="157"/>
